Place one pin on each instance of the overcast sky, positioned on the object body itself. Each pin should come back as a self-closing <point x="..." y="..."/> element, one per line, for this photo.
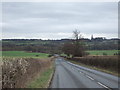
<point x="58" y="20"/>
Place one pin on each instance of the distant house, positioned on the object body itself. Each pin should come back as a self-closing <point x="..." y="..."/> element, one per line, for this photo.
<point x="97" y="38"/>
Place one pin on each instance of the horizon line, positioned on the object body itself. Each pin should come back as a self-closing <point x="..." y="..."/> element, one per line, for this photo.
<point x="60" y="39"/>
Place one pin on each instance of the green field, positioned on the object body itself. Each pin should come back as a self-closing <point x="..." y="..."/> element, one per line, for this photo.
<point x="44" y="55"/>
<point x="100" y="52"/>
<point x="23" y="54"/>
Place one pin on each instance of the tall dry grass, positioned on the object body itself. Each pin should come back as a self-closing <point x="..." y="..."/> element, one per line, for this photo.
<point x="17" y="72"/>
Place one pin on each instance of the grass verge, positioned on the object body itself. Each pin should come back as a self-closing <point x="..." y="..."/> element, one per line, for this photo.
<point x="96" y="68"/>
<point x="42" y="80"/>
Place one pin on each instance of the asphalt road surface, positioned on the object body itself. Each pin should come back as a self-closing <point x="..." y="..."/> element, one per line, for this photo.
<point x="69" y="75"/>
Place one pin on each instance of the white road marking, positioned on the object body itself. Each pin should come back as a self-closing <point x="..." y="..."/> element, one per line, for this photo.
<point x="89" y="77"/>
<point x="73" y="68"/>
<point x="103" y="85"/>
<point x="77" y="69"/>
<point x="80" y="72"/>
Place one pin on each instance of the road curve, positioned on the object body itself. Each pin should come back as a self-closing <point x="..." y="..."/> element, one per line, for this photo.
<point x="69" y="75"/>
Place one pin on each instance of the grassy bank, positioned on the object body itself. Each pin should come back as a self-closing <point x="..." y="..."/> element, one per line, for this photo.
<point x="42" y="80"/>
<point x="108" y="64"/>
<point x="23" y="54"/>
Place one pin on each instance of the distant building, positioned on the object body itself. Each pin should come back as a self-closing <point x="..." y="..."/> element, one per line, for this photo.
<point x="97" y="38"/>
<point x="92" y="37"/>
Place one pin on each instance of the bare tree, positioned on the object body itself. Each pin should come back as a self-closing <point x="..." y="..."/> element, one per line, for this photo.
<point x="77" y="35"/>
<point x="68" y="48"/>
<point x="76" y="47"/>
<point x="78" y="44"/>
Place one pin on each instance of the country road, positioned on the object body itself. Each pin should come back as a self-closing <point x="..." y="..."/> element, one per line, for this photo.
<point x="68" y="75"/>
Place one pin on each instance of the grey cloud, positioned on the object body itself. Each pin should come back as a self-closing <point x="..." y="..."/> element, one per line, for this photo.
<point x="51" y="17"/>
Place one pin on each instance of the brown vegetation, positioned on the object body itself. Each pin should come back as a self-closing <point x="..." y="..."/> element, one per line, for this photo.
<point x="107" y="62"/>
<point x="17" y="72"/>
<point x="75" y="47"/>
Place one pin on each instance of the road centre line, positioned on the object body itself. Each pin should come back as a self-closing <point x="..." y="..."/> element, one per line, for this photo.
<point x="104" y="86"/>
<point x="89" y="77"/>
<point x="80" y="72"/>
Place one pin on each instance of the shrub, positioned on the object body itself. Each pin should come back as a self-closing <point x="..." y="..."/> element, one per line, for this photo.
<point x="37" y="55"/>
<point x="50" y="55"/>
<point x="104" y="53"/>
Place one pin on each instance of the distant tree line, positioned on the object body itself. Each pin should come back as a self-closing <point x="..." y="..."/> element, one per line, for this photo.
<point x="32" y="46"/>
<point x="57" y="46"/>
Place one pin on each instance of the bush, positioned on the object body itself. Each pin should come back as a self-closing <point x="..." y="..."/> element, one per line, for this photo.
<point x="50" y="55"/>
<point x="37" y="55"/>
<point x="104" y="53"/>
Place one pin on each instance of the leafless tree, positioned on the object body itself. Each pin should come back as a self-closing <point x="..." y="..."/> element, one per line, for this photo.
<point x="76" y="47"/>
<point x="78" y="44"/>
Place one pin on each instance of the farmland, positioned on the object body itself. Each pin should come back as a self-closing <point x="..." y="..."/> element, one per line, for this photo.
<point x="54" y="46"/>
<point x="23" y="54"/>
<point x="102" y="52"/>
<point x="26" y="63"/>
<point x="44" y="55"/>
